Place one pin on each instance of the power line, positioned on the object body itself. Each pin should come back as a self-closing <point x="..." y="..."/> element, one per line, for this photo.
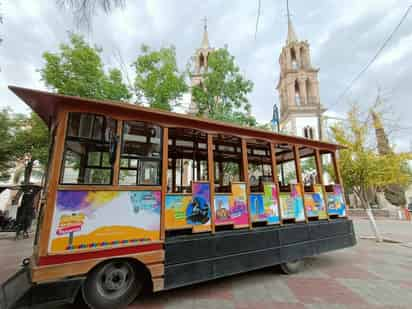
<point x="257" y="18"/>
<point x="385" y="43"/>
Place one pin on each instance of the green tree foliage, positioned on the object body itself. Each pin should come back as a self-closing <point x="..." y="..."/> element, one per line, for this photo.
<point x="157" y="77"/>
<point x="30" y="142"/>
<point x="77" y="70"/>
<point x="6" y="126"/>
<point x="223" y="93"/>
<point x="362" y="168"/>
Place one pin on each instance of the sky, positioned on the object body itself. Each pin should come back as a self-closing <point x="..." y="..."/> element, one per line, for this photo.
<point x="343" y="37"/>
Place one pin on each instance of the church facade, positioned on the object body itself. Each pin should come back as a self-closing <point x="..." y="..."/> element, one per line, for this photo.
<point x="298" y="88"/>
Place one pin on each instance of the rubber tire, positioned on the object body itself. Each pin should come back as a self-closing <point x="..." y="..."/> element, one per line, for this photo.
<point x="294" y="267"/>
<point x="95" y="300"/>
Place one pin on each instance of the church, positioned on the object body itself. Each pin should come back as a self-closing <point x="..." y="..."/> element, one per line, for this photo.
<point x="298" y="86"/>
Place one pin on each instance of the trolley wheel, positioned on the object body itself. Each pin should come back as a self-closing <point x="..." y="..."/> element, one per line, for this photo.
<point x="292" y="267"/>
<point x="111" y="285"/>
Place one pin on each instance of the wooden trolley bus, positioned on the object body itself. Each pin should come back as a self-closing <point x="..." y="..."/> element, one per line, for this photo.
<point x="141" y="198"/>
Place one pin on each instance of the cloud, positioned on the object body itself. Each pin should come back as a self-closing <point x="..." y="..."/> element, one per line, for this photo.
<point x="343" y="37"/>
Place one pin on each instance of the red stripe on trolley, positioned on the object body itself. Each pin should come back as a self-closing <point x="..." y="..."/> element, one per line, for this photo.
<point x="73" y="257"/>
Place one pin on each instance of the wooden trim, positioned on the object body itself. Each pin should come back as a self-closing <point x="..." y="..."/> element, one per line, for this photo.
<point x="275" y="177"/>
<point x="299" y="177"/>
<point x="102" y="249"/>
<point x="107" y="188"/>
<point x="184" y="194"/>
<point x="156" y="270"/>
<point x="246" y="179"/>
<point x="158" y="284"/>
<point x="116" y="166"/>
<point x="56" y="164"/>
<point x="59" y="271"/>
<point x="165" y="162"/>
<point x="319" y="170"/>
<point x="211" y="176"/>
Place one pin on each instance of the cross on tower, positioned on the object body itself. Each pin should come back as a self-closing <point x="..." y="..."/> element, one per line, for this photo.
<point x="205" y="23"/>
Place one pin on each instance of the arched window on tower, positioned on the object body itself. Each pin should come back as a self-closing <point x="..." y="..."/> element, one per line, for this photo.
<point x="297" y="94"/>
<point x="293" y="58"/>
<point x="309" y="98"/>
<point x="308" y="132"/>
<point x="302" y="52"/>
<point x="201" y="62"/>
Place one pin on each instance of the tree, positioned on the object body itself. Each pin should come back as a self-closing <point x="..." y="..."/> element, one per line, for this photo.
<point x="157" y="77"/>
<point x="6" y="125"/>
<point x="362" y="167"/>
<point x="223" y="93"/>
<point x="30" y="142"/>
<point x="77" y="70"/>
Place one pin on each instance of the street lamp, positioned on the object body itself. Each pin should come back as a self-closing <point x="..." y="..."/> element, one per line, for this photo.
<point x="276" y="128"/>
<point x="275" y="119"/>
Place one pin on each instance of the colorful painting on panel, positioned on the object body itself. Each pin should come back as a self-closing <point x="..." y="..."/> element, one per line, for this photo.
<point x="222" y="206"/>
<point x="297" y="197"/>
<point x="233" y="207"/>
<point x="336" y="202"/>
<point x="183" y="211"/>
<point x="175" y="213"/>
<point x="291" y="204"/>
<point x="257" y="207"/>
<point x="95" y="219"/>
<point x="238" y="204"/>
<point x="315" y="204"/>
<point x="198" y="211"/>
<point x="286" y="205"/>
<point x="270" y="200"/>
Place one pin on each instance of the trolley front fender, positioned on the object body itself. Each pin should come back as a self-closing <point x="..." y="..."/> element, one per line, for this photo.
<point x="19" y="292"/>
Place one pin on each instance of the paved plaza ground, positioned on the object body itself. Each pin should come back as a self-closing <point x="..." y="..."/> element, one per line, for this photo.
<point x="370" y="275"/>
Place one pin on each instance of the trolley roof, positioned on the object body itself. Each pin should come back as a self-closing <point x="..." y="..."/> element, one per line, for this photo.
<point x="47" y="106"/>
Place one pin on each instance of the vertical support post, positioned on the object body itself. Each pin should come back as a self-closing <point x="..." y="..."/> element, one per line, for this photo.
<point x="211" y="176"/>
<point x="299" y="176"/>
<point x="319" y="174"/>
<point x="275" y="177"/>
<point x="245" y="166"/>
<point x="165" y="161"/>
<point x="116" y="166"/>
<point x="56" y="163"/>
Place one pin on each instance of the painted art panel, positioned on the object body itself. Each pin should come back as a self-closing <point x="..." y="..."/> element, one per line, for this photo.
<point x="315" y="204"/>
<point x="198" y="212"/>
<point x="291" y="204"/>
<point x="336" y="202"/>
<point x="270" y="200"/>
<point x="238" y="205"/>
<point x="223" y="210"/>
<point x="175" y="211"/>
<point x="257" y="207"/>
<point x="184" y="211"/>
<point x="97" y="219"/>
<point x="297" y="197"/>
<point x="232" y="208"/>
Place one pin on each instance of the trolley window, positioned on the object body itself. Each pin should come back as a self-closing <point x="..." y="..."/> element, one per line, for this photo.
<point x="89" y="149"/>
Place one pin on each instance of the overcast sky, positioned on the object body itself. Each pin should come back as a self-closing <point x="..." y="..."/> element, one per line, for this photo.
<point x="343" y="36"/>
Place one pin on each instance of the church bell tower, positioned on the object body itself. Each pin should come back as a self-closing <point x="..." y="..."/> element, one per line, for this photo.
<point x="298" y="87"/>
<point x="200" y="60"/>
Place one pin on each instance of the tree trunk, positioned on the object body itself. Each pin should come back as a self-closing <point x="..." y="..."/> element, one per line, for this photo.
<point x="27" y="172"/>
<point x="369" y="213"/>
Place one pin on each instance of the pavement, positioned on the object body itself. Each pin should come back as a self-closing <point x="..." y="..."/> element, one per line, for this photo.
<point x="369" y="275"/>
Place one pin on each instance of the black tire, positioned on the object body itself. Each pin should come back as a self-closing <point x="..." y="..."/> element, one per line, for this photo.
<point x="292" y="267"/>
<point x="114" y="284"/>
